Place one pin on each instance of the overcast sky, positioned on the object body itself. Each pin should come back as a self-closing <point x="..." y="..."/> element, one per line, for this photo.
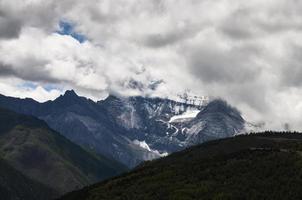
<point x="247" y="52"/>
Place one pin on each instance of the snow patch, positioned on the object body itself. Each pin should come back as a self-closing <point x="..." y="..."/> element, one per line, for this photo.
<point x="144" y="145"/>
<point x="189" y="114"/>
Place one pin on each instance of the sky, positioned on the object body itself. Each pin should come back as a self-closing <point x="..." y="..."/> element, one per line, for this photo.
<point x="246" y="52"/>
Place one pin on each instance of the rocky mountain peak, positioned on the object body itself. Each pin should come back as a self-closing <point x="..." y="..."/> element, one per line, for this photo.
<point x="220" y="106"/>
<point x="70" y="93"/>
<point x="68" y="98"/>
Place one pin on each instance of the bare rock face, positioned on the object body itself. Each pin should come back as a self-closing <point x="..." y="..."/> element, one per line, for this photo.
<point x="133" y="129"/>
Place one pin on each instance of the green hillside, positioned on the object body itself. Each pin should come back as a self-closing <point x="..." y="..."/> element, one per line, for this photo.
<point x="258" y="166"/>
<point x="31" y="147"/>
<point x="15" y="186"/>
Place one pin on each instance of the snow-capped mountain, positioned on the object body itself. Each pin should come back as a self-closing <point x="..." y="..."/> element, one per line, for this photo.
<point x="133" y="129"/>
<point x="148" y="120"/>
<point x="164" y="126"/>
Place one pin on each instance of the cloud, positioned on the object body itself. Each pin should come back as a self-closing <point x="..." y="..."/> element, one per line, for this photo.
<point x="6" y="70"/>
<point x="291" y="72"/>
<point x="10" y="28"/>
<point x="214" y="64"/>
<point x="245" y="52"/>
<point x="15" y="87"/>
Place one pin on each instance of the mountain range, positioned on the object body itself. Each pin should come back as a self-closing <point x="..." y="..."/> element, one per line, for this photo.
<point x="132" y="129"/>
<point x="78" y="148"/>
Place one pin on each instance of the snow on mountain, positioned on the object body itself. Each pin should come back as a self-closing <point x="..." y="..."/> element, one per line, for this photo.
<point x="187" y="115"/>
<point x="134" y="129"/>
<point x="144" y="145"/>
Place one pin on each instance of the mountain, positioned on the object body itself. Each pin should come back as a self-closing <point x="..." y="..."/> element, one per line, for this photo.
<point x="43" y="155"/>
<point x="147" y="120"/>
<point x="166" y="126"/>
<point x="15" y="186"/>
<point x="132" y="129"/>
<point x="216" y="120"/>
<point x="257" y="166"/>
<point x="84" y="122"/>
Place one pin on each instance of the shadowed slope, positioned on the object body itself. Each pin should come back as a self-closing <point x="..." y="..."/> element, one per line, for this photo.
<point x="14" y="186"/>
<point x="262" y="166"/>
<point x="42" y="154"/>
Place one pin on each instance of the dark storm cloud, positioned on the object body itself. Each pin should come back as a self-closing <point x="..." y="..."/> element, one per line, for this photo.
<point x="248" y="23"/>
<point x="10" y="27"/>
<point x="14" y="16"/>
<point x="6" y="70"/>
<point x="32" y="70"/>
<point x="222" y="66"/>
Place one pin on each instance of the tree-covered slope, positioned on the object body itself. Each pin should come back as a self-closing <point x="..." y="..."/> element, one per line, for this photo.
<point x="260" y="166"/>
<point x="15" y="186"/>
<point x="31" y="147"/>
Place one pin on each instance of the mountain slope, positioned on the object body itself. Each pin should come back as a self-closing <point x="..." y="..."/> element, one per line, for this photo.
<point x="132" y="129"/>
<point x="14" y="185"/>
<point x="147" y="120"/>
<point x="84" y="122"/>
<point x="166" y="126"/>
<point x="217" y="120"/>
<point x="31" y="147"/>
<point x="261" y="166"/>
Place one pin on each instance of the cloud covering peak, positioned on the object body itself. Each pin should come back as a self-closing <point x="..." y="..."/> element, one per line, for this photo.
<point x="245" y="52"/>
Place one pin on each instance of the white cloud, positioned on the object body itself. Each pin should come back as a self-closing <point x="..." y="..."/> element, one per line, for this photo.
<point x="245" y="52"/>
<point x="14" y="87"/>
